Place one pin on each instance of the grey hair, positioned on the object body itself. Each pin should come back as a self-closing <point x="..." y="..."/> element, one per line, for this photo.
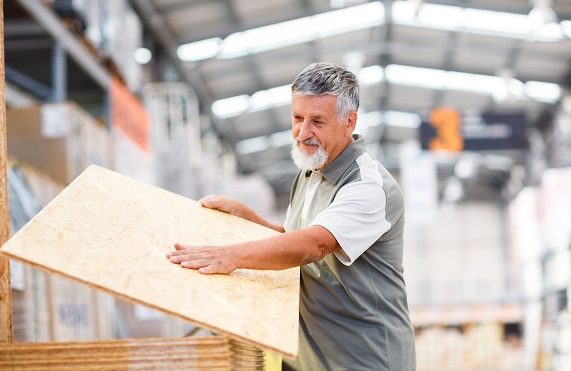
<point x="329" y="79"/>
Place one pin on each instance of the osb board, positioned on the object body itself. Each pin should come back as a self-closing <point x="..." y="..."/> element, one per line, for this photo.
<point x="112" y="232"/>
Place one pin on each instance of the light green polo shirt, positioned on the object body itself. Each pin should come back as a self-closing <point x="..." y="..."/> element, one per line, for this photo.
<point x="353" y="306"/>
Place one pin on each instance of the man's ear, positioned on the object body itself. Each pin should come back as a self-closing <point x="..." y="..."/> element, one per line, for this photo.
<point x="351" y="121"/>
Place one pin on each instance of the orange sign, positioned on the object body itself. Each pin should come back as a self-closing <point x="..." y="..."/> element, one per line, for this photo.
<point x="446" y="121"/>
<point x="128" y="115"/>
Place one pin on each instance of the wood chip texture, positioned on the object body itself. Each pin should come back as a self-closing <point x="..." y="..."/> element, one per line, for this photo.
<point x="112" y="233"/>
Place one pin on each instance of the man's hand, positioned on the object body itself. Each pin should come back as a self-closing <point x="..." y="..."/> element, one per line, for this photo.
<point x="225" y="204"/>
<point x="237" y="208"/>
<point x="205" y="259"/>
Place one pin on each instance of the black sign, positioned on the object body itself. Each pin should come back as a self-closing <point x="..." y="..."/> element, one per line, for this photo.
<point x="489" y="131"/>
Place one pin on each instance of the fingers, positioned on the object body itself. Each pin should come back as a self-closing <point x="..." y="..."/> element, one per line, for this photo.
<point x="210" y="269"/>
<point x="211" y="202"/>
<point x="180" y="249"/>
<point x="205" y="259"/>
<point x="179" y="246"/>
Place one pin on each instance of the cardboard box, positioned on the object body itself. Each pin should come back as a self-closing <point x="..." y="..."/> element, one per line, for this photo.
<point x="59" y="139"/>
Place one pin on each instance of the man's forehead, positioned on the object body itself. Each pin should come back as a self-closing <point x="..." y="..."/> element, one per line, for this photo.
<point x="313" y="104"/>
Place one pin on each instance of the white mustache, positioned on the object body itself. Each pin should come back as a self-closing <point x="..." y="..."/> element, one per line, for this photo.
<point x="309" y="142"/>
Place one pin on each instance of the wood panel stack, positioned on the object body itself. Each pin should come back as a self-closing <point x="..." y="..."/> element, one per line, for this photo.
<point x="246" y="357"/>
<point x="205" y="353"/>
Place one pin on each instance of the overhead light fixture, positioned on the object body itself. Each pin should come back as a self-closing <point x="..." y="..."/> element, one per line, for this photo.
<point x="365" y="120"/>
<point x="508" y="88"/>
<point x="252" y="145"/>
<point x="353" y="61"/>
<point x="429" y="78"/>
<point x="415" y="76"/>
<point x="402" y="119"/>
<point x="273" y="97"/>
<point x="336" y="4"/>
<point x="566" y="28"/>
<point x="543" y="91"/>
<point x="264" y="142"/>
<point x="302" y="30"/>
<point x="482" y="84"/>
<point x="542" y="13"/>
<point x="199" y="50"/>
<point x="454" y="18"/>
<point x="229" y="107"/>
<point x="142" y="55"/>
<point x="370" y="75"/>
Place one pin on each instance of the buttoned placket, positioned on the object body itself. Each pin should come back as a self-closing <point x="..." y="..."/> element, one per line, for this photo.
<point x="314" y="181"/>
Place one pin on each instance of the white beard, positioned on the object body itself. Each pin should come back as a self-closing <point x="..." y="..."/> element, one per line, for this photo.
<point x="308" y="162"/>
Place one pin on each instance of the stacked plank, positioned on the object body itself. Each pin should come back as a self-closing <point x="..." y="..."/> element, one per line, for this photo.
<point x="246" y="357"/>
<point x="204" y="353"/>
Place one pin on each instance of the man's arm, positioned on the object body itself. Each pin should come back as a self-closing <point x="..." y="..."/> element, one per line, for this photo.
<point x="283" y="251"/>
<point x="237" y="208"/>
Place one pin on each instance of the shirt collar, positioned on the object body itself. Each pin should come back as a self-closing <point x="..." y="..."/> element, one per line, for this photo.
<point x="337" y="167"/>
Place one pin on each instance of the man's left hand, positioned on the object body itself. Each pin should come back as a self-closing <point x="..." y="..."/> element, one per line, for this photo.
<point x="205" y="259"/>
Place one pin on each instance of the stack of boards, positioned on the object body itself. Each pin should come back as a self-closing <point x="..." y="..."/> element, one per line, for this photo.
<point x="206" y="353"/>
<point x="112" y="233"/>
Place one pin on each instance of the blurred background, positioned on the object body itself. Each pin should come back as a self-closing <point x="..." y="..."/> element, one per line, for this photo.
<point x="466" y="102"/>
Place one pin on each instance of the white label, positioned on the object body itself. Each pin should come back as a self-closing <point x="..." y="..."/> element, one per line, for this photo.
<point x="17" y="275"/>
<point x="55" y="120"/>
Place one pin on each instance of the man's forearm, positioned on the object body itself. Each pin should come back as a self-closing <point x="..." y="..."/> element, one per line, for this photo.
<point x="278" y="252"/>
<point x="287" y="250"/>
<point x="253" y="217"/>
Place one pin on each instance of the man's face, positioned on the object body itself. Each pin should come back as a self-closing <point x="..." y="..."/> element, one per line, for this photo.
<point x="315" y="122"/>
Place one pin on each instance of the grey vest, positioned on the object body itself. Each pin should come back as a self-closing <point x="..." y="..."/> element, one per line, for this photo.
<point x="353" y="317"/>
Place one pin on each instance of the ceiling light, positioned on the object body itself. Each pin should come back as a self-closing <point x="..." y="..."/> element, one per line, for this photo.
<point x="302" y="30"/>
<point x="142" y="55"/>
<point x="370" y="75"/>
<point x="353" y="61"/>
<point x="199" y="50"/>
<point x="430" y="78"/>
<point x="343" y="3"/>
<point x="252" y="145"/>
<point x="367" y="120"/>
<point x="542" y="13"/>
<point x="543" y="91"/>
<point x="566" y="28"/>
<point x="469" y="82"/>
<point x="453" y="18"/>
<point x="415" y="76"/>
<point x="232" y="106"/>
<point x="402" y="119"/>
<point x="273" y="97"/>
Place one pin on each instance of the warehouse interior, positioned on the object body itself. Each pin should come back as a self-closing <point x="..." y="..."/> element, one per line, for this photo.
<point x="193" y="96"/>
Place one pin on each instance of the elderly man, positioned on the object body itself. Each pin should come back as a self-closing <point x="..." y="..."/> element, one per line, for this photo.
<point x="344" y="227"/>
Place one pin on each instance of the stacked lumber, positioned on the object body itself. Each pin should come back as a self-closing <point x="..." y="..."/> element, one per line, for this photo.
<point x="246" y="357"/>
<point x="201" y="353"/>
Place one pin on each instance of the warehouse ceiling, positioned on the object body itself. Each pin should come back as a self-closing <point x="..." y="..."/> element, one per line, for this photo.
<point x="411" y="56"/>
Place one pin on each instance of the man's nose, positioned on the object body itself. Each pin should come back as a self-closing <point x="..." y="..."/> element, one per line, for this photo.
<point x="304" y="131"/>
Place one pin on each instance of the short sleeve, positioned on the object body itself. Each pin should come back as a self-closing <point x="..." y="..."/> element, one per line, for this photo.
<point x="356" y="218"/>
